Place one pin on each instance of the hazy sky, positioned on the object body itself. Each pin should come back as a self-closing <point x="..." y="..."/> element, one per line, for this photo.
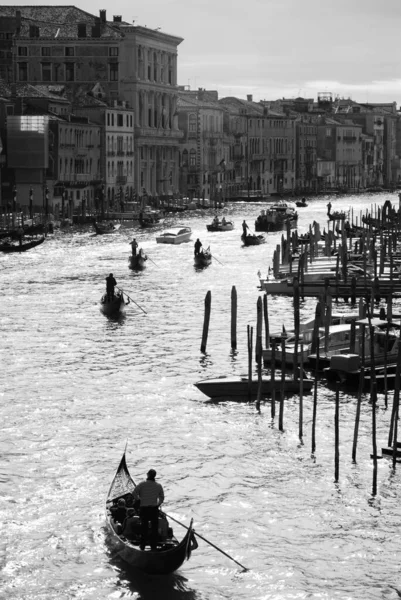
<point x="276" y="48"/>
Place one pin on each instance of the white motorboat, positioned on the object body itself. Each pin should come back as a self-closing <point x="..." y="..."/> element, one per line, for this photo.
<point x="175" y="235"/>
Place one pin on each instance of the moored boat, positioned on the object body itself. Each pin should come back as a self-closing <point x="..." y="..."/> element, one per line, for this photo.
<point x="112" y="305"/>
<point x="102" y="228"/>
<point x="252" y="239"/>
<point x="175" y="235"/>
<point x="170" y="553"/>
<point x="239" y="389"/>
<point x="23" y="247"/>
<point x="203" y="259"/>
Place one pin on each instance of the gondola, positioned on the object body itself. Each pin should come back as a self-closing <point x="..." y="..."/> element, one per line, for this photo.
<point x="301" y="203"/>
<point x="170" y="553"/>
<point x="137" y="261"/>
<point x="112" y="306"/>
<point x="252" y="240"/>
<point x="8" y="247"/>
<point x="203" y="259"/>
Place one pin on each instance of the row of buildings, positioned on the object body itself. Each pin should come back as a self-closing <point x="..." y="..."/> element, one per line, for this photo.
<point x="91" y="113"/>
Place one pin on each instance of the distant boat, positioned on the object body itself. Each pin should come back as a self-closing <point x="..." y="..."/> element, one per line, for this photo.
<point x="175" y="235"/>
<point x="170" y="553"/>
<point x="102" y="228"/>
<point x="276" y="217"/>
<point x="149" y="218"/>
<point x="217" y="225"/>
<point x="203" y="259"/>
<point x="237" y="388"/>
<point x="9" y="247"/>
<point x="112" y="306"/>
<point x="301" y="203"/>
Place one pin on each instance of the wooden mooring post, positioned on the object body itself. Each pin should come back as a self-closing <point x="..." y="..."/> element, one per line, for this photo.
<point x="250" y="344"/>
<point x="337" y="435"/>
<point x="208" y="302"/>
<point x="282" y="394"/>
<point x="233" y="318"/>
<point x="273" y="377"/>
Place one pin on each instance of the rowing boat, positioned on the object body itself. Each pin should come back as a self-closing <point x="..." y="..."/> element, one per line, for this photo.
<point x="8" y="247"/>
<point x="253" y="240"/>
<point x="217" y="225"/>
<point x="108" y="227"/>
<point x="203" y="259"/>
<point x="112" y="305"/>
<point x="170" y="553"/>
<point x="137" y="261"/>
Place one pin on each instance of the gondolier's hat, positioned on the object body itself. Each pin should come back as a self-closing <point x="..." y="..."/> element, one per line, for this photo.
<point x="151" y="473"/>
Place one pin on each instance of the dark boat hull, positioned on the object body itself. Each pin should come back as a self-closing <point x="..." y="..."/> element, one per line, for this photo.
<point x="23" y="247"/>
<point x="203" y="259"/>
<point x="161" y="561"/>
<point x="138" y="262"/>
<point x="102" y="229"/>
<point x="112" y="307"/>
<point x="237" y="388"/>
<point x="252" y="240"/>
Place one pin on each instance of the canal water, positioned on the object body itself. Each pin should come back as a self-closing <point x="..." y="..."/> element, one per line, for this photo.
<point x="76" y="387"/>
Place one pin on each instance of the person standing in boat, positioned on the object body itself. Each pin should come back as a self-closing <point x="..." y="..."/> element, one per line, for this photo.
<point x="134" y="246"/>
<point x="150" y="495"/>
<point x="110" y="284"/>
<point x="197" y="246"/>
<point x="244" y="228"/>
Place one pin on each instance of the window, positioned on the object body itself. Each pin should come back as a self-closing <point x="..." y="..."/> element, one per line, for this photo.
<point x="46" y="72"/>
<point x="113" y="72"/>
<point x="108" y="119"/>
<point x="22" y="71"/>
<point x="328" y="132"/>
<point x="69" y="72"/>
<point x="46" y="51"/>
<point x="192" y="158"/>
<point x="69" y="51"/>
<point x="113" y="51"/>
<point x="120" y="120"/>
<point x="22" y="51"/>
<point x="192" y="123"/>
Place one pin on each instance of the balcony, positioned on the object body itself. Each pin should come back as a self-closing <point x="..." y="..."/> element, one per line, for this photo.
<point x="153" y="132"/>
<point x="121" y="179"/>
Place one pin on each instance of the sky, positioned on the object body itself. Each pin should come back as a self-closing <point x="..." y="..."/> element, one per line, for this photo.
<point x="277" y="48"/>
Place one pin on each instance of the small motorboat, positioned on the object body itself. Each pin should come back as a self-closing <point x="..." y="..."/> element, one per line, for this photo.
<point x="138" y="261"/>
<point x="252" y="239"/>
<point x="203" y="259"/>
<point x="301" y="203"/>
<point x="104" y="227"/>
<point x="277" y="216"/>
<point x="23" y="247"/>
<point x="170" y="553"/>
<point x="175" y="235"/>
<point x="239" y="388"/>
<point x="217" y="225"/>
<point x="112" y="306"/>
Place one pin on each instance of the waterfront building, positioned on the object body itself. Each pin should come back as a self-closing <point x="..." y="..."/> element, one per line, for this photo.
<point x="341" y="142"/>
<point x="112" y="61"/>
<point x="116" y="171"/>
<point x="306" y="154"/>
<point x="205" y="167"/>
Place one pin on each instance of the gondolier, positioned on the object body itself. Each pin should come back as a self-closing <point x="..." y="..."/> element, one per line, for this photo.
<point x="110" y="284"/>
<point x="134" y="246"/>
<point x="151" y="496"/>
<point x="197" y="247"/>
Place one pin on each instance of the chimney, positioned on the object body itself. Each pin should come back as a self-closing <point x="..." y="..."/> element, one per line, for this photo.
<point x="117" y="18"/>
<point x="249" y="98"/>
<point x="102" y="14"/>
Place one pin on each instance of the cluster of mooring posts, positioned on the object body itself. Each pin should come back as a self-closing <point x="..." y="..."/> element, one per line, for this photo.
<point x="359" y="261"/>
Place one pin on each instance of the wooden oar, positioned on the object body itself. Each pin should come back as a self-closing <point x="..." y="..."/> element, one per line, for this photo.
<point x="151" y="260"/>
<point x="207" y="541"/>
<point x="213" y="256"/>
<point x="132" y="300"/>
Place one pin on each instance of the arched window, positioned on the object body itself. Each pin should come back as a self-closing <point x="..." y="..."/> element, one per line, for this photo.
<point x="192" y="123"/>
<point x="185" y="158"/>
<point x="192" y="158"/>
